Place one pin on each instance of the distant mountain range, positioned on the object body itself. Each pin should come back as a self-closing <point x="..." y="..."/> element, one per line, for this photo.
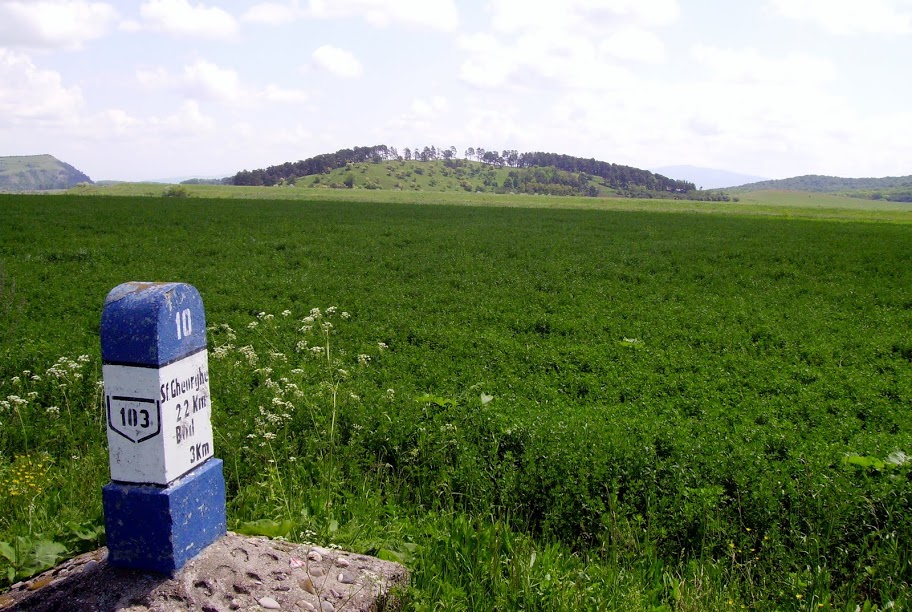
<point x="38" y="173"/>
<point x="707" y="178"/>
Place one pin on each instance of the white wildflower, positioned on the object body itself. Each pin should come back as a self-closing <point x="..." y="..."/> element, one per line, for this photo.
<point x="345" y="315"/>
<point x="363" y="359"/>
<point x="382" y="346"/>
<point x="252" y="325"/>
<point x="54" y="410"/>
<point x="286" y="313"/>
<point x="331" y="310"/>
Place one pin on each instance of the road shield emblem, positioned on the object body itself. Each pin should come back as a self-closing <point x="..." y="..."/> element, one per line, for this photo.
<point x="135" y="418"/>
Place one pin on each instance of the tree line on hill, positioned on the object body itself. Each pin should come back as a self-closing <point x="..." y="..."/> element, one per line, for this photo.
<point x="619" y="177"/>
<point x="892" y="188"/>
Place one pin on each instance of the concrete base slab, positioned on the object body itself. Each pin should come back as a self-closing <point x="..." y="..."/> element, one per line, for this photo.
<point x="234" y="573"/>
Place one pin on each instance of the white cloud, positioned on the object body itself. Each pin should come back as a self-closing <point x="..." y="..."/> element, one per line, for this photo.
<point x="850" y="16"/>
<point x="575" y="44"/>
<point x="579" y="15"/>
<point x="634" y="43"/>
<point x="429" y="107"/>
<point x="749" y="66"/>
<point x="188" y="120"/>
<point x="532" y="62"/>
<point x="201" y="79"/>
<point x="204" y="80"/>
<point x="179" y="17"/>
<point x="433" y="14"/>
<point x="337" y="61"/>
<point x="54" y="23"/>
<point x="29" y="94"/>
<point x="273" y="13"/>
<point x="274" y="93"/>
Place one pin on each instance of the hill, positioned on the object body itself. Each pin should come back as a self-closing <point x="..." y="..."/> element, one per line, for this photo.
<point x="830" y="184"/>
<point x="889" y="188"/>
<point x="382" y="167"/>
<point x="38" y="173"/>
<point x="707" y="178"/>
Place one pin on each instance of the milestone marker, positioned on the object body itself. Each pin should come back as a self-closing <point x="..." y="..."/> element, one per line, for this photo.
<point x="166" y="501"/>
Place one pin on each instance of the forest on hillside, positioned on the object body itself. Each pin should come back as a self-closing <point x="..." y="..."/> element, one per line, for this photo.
<point x="623" y="179"/>
<point x="891" y="188"/>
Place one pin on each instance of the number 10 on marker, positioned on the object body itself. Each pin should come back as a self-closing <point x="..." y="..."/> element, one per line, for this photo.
<point x="183" y="323"/>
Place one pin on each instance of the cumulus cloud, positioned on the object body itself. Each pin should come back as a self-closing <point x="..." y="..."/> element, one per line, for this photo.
<point x="634" y="43"/>
<point x="274" y="93"/>
<point x="430" y="14"/>
<point x="579" y="44"/>
<point x="54" y="23"/>
<point x="201" y="79"/>
<point x="31" y="94"/>
<point x="274" y="13"/>
<point x="850" y="16"/>
<point x="530" y="62"/>
<point x="337" y="61"/>
<point x="180" y="18"/>
<point x="429" y="107"/>
<point x="749" y="66"/>
<point x="518" y="15"/>
<point x="204" y="80"/>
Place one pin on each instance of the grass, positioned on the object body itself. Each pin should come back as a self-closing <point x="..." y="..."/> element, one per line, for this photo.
<point x="779" y="204"/>
<point x="538" y="408"/>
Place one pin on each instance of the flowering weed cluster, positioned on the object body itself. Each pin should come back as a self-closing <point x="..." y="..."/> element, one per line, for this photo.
<point x="287" y="394"/>
<point x="27" y="476"/>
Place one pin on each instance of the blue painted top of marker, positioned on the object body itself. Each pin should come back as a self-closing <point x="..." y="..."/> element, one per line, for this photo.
<point x="152" y="324"/>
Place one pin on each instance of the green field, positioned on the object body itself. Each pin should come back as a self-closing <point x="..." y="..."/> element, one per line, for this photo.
<point x="785" y="204"/>
<point x="626" y="405"/>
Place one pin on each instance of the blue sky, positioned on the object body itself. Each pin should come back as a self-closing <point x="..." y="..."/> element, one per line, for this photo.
<point x="164" y="88"/>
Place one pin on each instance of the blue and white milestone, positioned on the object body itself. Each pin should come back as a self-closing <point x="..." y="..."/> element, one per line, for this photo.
<point x="156" y="378"/>
<point x="166" y="501"/>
